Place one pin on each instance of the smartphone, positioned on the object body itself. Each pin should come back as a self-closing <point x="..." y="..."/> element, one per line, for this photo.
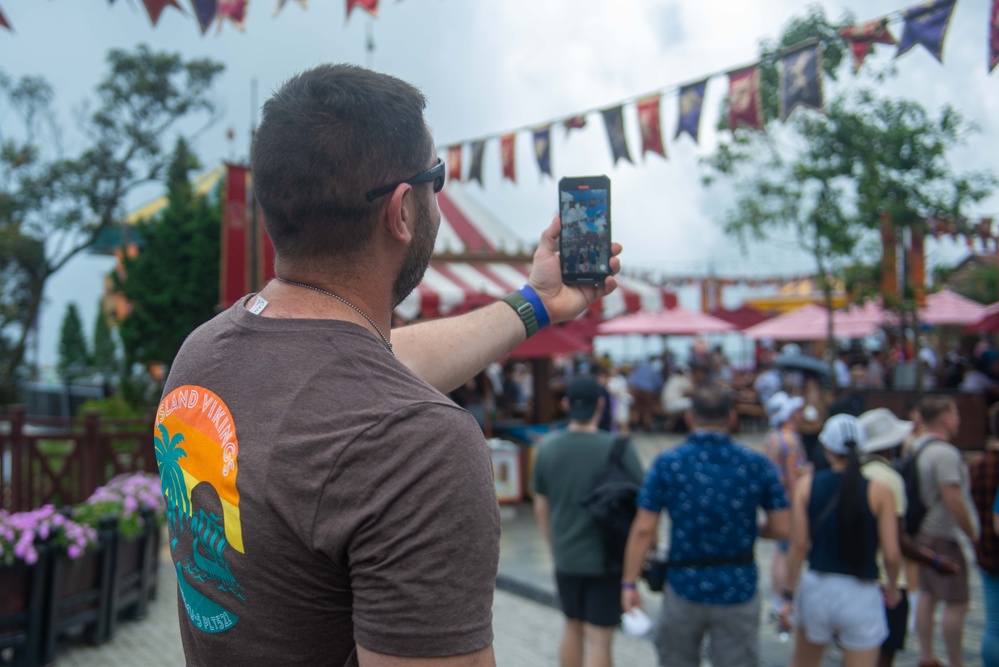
<point x="585" y="242"/>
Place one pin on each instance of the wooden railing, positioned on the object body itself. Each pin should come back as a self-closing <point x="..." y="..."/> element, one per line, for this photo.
<point x="62" y="461"/>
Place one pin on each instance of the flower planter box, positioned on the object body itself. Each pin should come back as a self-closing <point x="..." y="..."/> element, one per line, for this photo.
<point x="79" y="594"/>
<point x="21" y="607"/>
<point x="135" y="570"/>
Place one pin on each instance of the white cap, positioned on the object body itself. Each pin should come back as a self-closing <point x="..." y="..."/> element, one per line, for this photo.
<point x="839" y="432"/>
<point x="781" y="406"/>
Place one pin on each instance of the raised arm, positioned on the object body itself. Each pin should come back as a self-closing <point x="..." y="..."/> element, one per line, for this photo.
<point x="449" y="351"/>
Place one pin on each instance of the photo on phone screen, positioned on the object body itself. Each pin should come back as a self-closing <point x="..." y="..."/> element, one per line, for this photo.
<point x="585" y="241"/>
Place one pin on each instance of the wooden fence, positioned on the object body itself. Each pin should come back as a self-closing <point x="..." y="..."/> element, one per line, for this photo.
<point x="62" y="461"/>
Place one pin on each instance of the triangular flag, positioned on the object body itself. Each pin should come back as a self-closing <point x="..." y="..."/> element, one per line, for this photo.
<point x="574" y="123"/>
<point x="370" y="6"/>
<point x="744" y="104"/>
<point x="543" y="148"/>
<point x="801" y="79"/>
<point x="234" y="10"/>
<point x="508" y="143"/>
<point x="4" y="22"/>
<point x="205" y="11"/>
<point x="648" y="120"/>
<point x="863" y="36"/>
<point x="926" y="24"/>
<point x="994" y="36"/>
<point x="155" y="7"/>
<point x="614" y="121"/>
<point x="691" y="100"/>
<point x="282" y="3"/>
<point x="454" y="163"/>
<point x="475" y="168"/>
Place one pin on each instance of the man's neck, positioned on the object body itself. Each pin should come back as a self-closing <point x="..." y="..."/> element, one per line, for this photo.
<point x="582" y="427"/>
<point x="936" y="432"/>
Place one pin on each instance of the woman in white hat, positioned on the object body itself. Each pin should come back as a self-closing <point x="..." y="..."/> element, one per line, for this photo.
<point x="839" y="519"/>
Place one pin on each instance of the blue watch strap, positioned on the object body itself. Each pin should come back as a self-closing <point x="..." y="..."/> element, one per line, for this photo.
<point x="540" y="312"/>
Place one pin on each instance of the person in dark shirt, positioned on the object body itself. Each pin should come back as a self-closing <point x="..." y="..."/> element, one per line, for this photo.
<point x="839" y="519"/>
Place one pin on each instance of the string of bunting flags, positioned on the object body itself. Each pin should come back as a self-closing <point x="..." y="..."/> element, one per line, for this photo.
<point x="219" y="11"/>
<point x="800" y="86"/>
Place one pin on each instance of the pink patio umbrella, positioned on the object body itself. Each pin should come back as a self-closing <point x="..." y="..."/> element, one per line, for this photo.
<point x="810" y="322"/>
<point x="673" y="322"/>
<point x="946" y="308"/>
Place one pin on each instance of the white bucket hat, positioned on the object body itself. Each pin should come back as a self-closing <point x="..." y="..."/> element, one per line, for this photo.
<point x="781" y="406"/>
<point x="883" y="430"/>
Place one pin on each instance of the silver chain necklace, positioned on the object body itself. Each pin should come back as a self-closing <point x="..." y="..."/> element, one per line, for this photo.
<point x="342" y="300"/>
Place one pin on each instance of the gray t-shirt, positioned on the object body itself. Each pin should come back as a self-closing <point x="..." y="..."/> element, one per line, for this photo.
<point x="320" y="494"/>
<point x="565" y="470"/>
<point x="940" y="464"/>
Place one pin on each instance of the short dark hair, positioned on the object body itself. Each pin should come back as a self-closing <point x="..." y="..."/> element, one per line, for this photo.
<point x="711" y="405"/>
<point x="932" y="406"/>
<point x="328" y="136"/>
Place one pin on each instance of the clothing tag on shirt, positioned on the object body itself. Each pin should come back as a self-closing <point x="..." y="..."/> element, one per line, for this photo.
<point x="259" y="305"/>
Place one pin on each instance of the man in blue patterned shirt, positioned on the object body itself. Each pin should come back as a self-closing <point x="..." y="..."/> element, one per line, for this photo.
<point x="711" y="487"/>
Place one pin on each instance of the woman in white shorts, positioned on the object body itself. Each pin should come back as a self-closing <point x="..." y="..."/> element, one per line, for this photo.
<point x="839" y="519"/>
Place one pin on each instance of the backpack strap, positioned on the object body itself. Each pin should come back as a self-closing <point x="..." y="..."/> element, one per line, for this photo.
<point x="617" y="451"/>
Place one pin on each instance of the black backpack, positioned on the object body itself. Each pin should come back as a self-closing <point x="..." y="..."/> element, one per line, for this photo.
<point x="916" y="510"/>
<point x="611" y="503"/>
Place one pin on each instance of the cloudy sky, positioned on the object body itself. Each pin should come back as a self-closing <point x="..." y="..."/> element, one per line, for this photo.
<point x="493" y="65"/>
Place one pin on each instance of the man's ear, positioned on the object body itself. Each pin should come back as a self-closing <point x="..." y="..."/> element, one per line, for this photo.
<point x="399" y="215"/>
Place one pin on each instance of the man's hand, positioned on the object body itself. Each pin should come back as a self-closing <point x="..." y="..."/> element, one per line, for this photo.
<point x="945" y="565"/>
<point x="630" y="598"/>
<point x="564" y="302"/>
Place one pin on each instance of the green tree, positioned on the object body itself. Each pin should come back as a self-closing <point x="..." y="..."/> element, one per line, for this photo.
<point x="173" y="284"/>
<point x="979" y="282"/>
<point x="53" y="205"/>
<point x="105" y="349"/>
<point x="829" y="179"/>
<point x="74" y="359"/>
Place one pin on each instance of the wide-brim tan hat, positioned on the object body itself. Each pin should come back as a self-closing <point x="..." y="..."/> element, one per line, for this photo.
<point x="883" y="429"/>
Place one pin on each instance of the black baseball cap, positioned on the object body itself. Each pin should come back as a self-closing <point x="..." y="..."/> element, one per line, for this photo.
<point x="583" y="393"/>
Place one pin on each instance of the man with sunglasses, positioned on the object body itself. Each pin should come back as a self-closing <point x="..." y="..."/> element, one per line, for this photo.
<point x="328" y="504"/>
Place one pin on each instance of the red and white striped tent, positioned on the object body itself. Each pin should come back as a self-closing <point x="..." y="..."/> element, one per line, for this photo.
<point x="477" y="259"/>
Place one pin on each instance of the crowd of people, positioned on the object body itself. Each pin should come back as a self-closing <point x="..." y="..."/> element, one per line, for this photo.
<point x="365" y="506"/>
<point x="869" y="512"/>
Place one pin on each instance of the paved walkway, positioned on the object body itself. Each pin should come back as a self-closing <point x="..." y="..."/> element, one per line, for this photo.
<point x="527" y="627"/>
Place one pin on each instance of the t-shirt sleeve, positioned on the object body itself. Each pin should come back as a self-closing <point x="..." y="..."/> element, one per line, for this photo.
<point x="632" y="464"/>
<point x="773" y="497"/>
<point x="538" y="482"/>
<point x="410" y="509"/>
<point x="652" y="497"/>
<point x="946" y="465"/>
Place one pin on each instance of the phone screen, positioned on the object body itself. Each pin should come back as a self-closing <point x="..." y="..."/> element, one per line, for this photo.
<point x="585" y="242"/>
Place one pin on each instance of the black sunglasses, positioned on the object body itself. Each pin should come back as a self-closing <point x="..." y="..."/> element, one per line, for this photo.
<point x="436" y="174"/>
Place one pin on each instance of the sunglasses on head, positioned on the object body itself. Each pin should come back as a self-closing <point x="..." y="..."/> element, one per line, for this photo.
<point x="436" y="174"/>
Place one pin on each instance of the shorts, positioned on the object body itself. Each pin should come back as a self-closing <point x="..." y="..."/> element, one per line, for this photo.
<point x="591" y="599"/>
<point x="838" y="605"/>
<point x="732" y="631"/>
<point x="898" y="625"/>
<point x="951" y="588"/>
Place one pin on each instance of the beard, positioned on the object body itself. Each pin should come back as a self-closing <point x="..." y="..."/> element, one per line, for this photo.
<point x="414" y="266"/>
